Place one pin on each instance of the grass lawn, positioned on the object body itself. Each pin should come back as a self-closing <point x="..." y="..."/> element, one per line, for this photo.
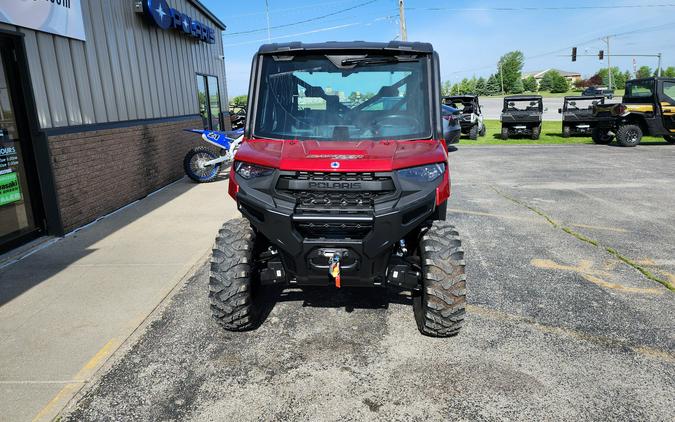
<point x="551" y="133"/>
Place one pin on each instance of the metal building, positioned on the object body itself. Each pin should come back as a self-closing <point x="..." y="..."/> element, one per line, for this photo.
<point x="94" y="95"/>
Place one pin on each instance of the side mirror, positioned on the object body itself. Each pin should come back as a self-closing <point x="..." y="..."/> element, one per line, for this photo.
<point x="560" y="110"/>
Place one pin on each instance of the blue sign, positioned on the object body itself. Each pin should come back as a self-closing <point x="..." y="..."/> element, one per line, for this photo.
<point x="165" y="17"/>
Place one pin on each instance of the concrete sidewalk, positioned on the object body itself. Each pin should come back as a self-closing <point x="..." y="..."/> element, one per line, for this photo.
<point x="65" y="309"/>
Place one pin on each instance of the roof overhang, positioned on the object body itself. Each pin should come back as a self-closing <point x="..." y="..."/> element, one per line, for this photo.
<point x="208" y="13"/>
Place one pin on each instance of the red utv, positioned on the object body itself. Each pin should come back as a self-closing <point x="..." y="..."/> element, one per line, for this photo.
<point x="343" y="181"/>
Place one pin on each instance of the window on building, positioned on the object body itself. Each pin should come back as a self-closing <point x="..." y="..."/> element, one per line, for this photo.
<point x="208" y="97"/>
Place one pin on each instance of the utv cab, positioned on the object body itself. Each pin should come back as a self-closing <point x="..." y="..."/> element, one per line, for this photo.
<point x="472" y="116"/>
<point x="648" y="108"/>
<point x="522" y="115"/>
<point x="577" y="115"/>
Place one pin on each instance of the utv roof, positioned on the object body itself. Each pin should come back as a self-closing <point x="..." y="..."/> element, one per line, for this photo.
<point x="415" y="47"/>
<point x="523" y="97"/>
<point x="584" y="97"/>
<point x="470" y="96"/>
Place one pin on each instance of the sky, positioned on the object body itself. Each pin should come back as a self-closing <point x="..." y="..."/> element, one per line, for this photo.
<point x="469" y="36"/>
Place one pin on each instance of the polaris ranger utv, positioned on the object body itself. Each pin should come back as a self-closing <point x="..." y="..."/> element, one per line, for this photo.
<point x="472" y="116"/>
<point x="522" y="115"/>
<point x="577" y="115"/>
<point x="648" y="108"/>
<point x="343" y="181"/>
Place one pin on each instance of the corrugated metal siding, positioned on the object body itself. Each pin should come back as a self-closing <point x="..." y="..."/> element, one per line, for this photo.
<point x="126" y="70"/>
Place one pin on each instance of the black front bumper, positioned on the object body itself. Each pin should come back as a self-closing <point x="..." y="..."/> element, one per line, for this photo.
<point x="365" y="238"/>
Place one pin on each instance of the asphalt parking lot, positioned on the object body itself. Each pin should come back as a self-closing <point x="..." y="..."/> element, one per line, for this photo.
<point x="568" y="249"/>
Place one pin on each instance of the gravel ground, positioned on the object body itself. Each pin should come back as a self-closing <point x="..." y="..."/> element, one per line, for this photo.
<point x="557" y="328"/>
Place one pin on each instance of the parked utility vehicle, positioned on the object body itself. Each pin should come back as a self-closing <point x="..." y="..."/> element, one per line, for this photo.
<point x="339" y="188"/>
<point x="577" y="115"/>
<point x="472" y="115"/>
<point x="648" y="108"/>
<point x="522" y="115"/>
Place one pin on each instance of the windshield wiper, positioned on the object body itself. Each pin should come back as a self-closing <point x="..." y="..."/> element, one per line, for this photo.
<point x="377" y="60"/>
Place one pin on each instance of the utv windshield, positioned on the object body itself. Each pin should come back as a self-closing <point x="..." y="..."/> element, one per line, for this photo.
<point x="343" y="98"/>
<point x="522" y="105"/>
<point x="582" y="103"/>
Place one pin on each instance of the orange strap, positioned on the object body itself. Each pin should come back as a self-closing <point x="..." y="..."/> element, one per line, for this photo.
<point x="335" y="272"/>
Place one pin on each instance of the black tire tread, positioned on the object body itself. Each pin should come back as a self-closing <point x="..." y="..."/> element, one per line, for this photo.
<point x="230" y="285"/>
<point x="622" y="135"/>
<point x="670" y="139"/>
<point x="443" y="300"/>
<point x="473" y="132"/>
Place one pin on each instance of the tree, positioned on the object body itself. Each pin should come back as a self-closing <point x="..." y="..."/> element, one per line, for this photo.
<point x="518" y="87"/>
<point x="239" y="101"/>
<point x="618" y="78"/>
<point x="446" y="88"/>
<point x="559" y="84"/>
<point x="510" y="68"/>
<point x="643" y="72"/>
<point x="546" y="82"/>
<point x="492" y="86"/>
<point x="669" y="72"/>
<point x="530" y="84"/>
<point x="481" y="86"/>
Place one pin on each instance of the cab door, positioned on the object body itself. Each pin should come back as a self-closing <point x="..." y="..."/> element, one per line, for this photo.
<point x="667" y="99"/>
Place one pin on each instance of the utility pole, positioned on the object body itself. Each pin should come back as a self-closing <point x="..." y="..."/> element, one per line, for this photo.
<point x="267" y="14"/>
<point x="609" y="65"/>
<point x="501" y="75"/>
<point x="401" y="20"/>
<point x="658" y="69"/>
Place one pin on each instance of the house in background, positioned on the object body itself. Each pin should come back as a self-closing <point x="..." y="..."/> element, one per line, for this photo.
<point x="571" y="77"/>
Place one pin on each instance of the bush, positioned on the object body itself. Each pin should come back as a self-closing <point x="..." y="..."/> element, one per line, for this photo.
<point x="530" y="84"/>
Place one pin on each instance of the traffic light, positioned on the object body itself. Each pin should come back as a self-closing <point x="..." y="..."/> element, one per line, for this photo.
<point x="574" y="54"/>
<point x="601" y="54"/>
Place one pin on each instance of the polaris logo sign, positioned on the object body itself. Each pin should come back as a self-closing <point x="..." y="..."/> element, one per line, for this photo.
<point x="334" y="185"/>
<point x="165" y="17"/>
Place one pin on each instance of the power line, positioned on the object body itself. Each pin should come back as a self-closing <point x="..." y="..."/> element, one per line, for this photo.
<point x="316" y="18"/>
<point x="291" y="9"/>
<point x="535" y="8"/>
<point x="549" y="53"/>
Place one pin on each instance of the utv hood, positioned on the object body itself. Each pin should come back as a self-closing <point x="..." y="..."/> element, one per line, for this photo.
<point x="341" y="156"/>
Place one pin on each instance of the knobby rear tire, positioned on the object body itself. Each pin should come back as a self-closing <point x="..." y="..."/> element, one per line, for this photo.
<point x="629" y="135"/>
<point x="439" y="307"/>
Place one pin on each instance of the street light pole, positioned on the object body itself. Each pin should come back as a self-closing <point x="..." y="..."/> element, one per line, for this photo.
<point x="658" y="69"/>
<point x="401" y="20"/>
<point x="501" y="75"/>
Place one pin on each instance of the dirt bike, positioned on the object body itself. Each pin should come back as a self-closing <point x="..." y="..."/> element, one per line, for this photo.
<point x="202" y="164"/>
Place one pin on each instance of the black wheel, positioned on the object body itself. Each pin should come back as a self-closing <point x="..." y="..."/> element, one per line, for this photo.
<point x="567" y="132"/>
<point x="629" y="135"/>
<point x="535" y="133"/>
<point x="602" y="136"/>
<point x="439" y="307"/>
<point x="194" y="167"/>
<point x="505" y="133"/>
<point x="482" y="131"/>
<point x="473" y="132"/>
<point x="233" y="282"/>
<point x="669" y="139"/>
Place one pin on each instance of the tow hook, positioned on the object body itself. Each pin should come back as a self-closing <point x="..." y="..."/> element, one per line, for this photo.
<point x="334" y="269"/>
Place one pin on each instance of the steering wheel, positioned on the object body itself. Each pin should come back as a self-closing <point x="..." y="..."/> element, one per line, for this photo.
<point x="396" y="120"/>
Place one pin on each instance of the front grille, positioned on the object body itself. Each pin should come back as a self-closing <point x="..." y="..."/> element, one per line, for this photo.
<point x="337" y="196"/>
<point x="340" y="230"/>
<point x="335" y="192"/>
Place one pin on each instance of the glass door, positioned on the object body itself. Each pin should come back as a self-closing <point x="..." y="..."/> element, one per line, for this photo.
<point x="17" y="171"/>
<point x="208" y="97"/>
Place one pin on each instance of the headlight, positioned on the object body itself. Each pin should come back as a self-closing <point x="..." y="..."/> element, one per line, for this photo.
<point x="251" y="171"/>
<point x="427" y="173"/>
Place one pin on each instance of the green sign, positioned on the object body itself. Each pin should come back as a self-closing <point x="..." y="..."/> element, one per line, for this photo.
<point x="9" y="188"/>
